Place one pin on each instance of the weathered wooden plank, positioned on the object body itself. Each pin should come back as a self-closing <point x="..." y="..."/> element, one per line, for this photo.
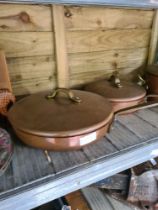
<point x="122" y="137"/>
<point x="21" y="44"/>
<point x="100" y="149"/>
<point x="89" y="18"/>
<point x="89" y="41"/>
<point x="27" y="165"/>
<point x="25" y="18"/>
<point x="154" y="109"/>
<point x="33" y="86"/>
<point x="32" y="74"/>
<point x="7" y="179"/>
<point x="86" y="67"/>
<point x="63" y="161"/>
<point x="104" y="60"/>
<point x="85" y="77"/>
<point x="139" y="127"/>
<point x="149" y="117"/>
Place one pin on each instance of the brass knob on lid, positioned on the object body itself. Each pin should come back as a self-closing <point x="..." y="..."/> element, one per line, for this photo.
<point x="115" y="80"/>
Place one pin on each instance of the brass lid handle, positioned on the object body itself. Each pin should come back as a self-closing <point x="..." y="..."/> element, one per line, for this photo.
<point x="67" y="92"/>
<point x="115" y="80"/>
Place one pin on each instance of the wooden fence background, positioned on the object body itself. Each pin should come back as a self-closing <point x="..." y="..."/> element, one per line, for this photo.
<point x="98" y="40"/>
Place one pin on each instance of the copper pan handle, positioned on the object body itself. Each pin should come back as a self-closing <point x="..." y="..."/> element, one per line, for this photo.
<point x="132" y="109"/>
<point x="151" y="96"/>
<point x="67" y="92"/>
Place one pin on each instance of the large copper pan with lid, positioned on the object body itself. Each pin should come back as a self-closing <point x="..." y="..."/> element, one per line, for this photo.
<point x="63" y="120"/>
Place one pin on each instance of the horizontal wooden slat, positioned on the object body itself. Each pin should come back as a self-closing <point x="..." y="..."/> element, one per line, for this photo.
<point x="89" y="18"/>
<point x="25" y="18"/>
<point x="89" y="41"/>
<point x="81" y="78"/>
<point x="32" y="74"/>
<point x="21" y="44"/>
<point x="33" y="86"/>
<point x="105" y="60"/>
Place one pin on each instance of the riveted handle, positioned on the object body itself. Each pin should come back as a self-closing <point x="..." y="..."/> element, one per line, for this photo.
<point x="65" y="91"/>
<point x="135" y="108"/>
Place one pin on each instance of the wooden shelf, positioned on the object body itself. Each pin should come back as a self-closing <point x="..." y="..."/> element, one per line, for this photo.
<point x="31" y="181"/>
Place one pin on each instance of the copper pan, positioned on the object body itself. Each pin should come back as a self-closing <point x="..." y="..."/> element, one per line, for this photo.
<point x="121" y="94"/>
<point x="56" y="122"/>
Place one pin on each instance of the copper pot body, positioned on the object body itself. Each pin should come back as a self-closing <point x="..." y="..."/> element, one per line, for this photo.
<point x="62" y="143"/>
<point x="118" y="105"/>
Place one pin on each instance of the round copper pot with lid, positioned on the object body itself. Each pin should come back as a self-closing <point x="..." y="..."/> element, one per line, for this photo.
<point x="64" y="120"/>
<point x="121" y="94"/>
<point x="151" y="75"/>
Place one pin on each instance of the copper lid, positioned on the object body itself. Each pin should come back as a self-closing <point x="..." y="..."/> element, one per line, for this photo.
<point x="60" y="116"/>
<point x="152" y="69"/>
<point x="127" y="92"/>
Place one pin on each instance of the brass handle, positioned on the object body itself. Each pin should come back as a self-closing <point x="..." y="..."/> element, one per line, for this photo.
<point x="141" y="82"/>
<point x="67" y="92"/>
<point x="115" y="80"/>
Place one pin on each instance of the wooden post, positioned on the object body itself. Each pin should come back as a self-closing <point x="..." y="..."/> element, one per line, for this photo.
<point x="154" y="40"/>
<point x="4" y="74"/>
<point x="60" y="47"/>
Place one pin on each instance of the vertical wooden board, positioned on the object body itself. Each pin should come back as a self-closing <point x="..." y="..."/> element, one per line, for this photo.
<point x="60" y="47"/>
<point x="25" y="17"/>
<point x="63" y="161"/>
<point x="154" y="39"/>
<point x="92" y="18"/>
<point x="89" y="41"/>
<point x="19" y="44"/>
